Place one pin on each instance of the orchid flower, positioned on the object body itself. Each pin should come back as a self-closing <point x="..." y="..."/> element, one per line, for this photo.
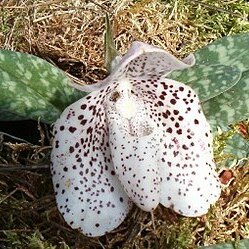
<point x="138" y="137"/>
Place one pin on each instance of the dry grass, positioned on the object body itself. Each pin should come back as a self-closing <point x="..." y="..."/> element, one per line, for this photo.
<point x="70" y="34"/>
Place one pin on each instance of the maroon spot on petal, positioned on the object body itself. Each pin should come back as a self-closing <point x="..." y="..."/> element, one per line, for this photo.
<point x="176" y="112"/>
<point x="72" y="129"/>
<point x="83" y="122"/>
<point x="71" y="149"/>
<point x="179" y="131"/>
<point x="196" y="121"/>
<point x="173" y="101"/>
<point x="83" y="107"/>
<point x="165" y="115"/>
<point x="92" y="107"/>
<point x="169" y="130"/>
<point x="62" y="127"/>
<point x="164" y="85"/>
<point x="89" y="130"/>
<point x="185" y="147"/>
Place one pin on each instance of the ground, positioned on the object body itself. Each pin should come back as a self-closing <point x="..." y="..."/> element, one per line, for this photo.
<point x="70" y="35"/>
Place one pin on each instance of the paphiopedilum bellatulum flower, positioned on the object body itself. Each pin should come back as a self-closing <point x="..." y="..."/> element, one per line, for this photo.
<point x="138" y="137"/>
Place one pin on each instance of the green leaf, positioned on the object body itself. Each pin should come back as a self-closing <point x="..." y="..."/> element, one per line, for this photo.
<point x="243" y="244"/>
<point x="6" y="115"/>
<point x="232" y="149"/>
<point x="230" y="106"/>
<point x="208" y="81"/>
<point x="19" y="102"/>
<point x="30" y="87"/>
<point x="237" y="146"/>
<point x="230" y="50"/>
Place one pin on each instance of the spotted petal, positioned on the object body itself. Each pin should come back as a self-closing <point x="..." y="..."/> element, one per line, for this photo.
<point x="142" y="60"/>
<point x="146" y="60"/>
<point x="189" y="181"/>
<point x="88" y="193"/>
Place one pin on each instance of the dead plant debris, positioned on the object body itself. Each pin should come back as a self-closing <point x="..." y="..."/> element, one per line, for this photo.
<point x="70" y="34"/>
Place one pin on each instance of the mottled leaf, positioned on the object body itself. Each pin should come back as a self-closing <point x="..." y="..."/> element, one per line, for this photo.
<point x="243" y="244"/>
<point x="231" y="51"/>
<point x="230" y="106"/>
<point x="7" y="115"/>
<point x="31" y="87"/>
<point x="19" y="102"/>
<point x="208" y="81"/>
<point x="237" y="146"/>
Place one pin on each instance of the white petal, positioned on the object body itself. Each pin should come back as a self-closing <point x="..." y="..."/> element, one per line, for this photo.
<point x="141" y="60"/>
<point x="88" y="193"/>
<point x="189" y="182"/>
<point x="147" y="60"/>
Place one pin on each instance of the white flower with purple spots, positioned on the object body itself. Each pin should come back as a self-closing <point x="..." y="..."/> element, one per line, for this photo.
<point x="138" y="137"/>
